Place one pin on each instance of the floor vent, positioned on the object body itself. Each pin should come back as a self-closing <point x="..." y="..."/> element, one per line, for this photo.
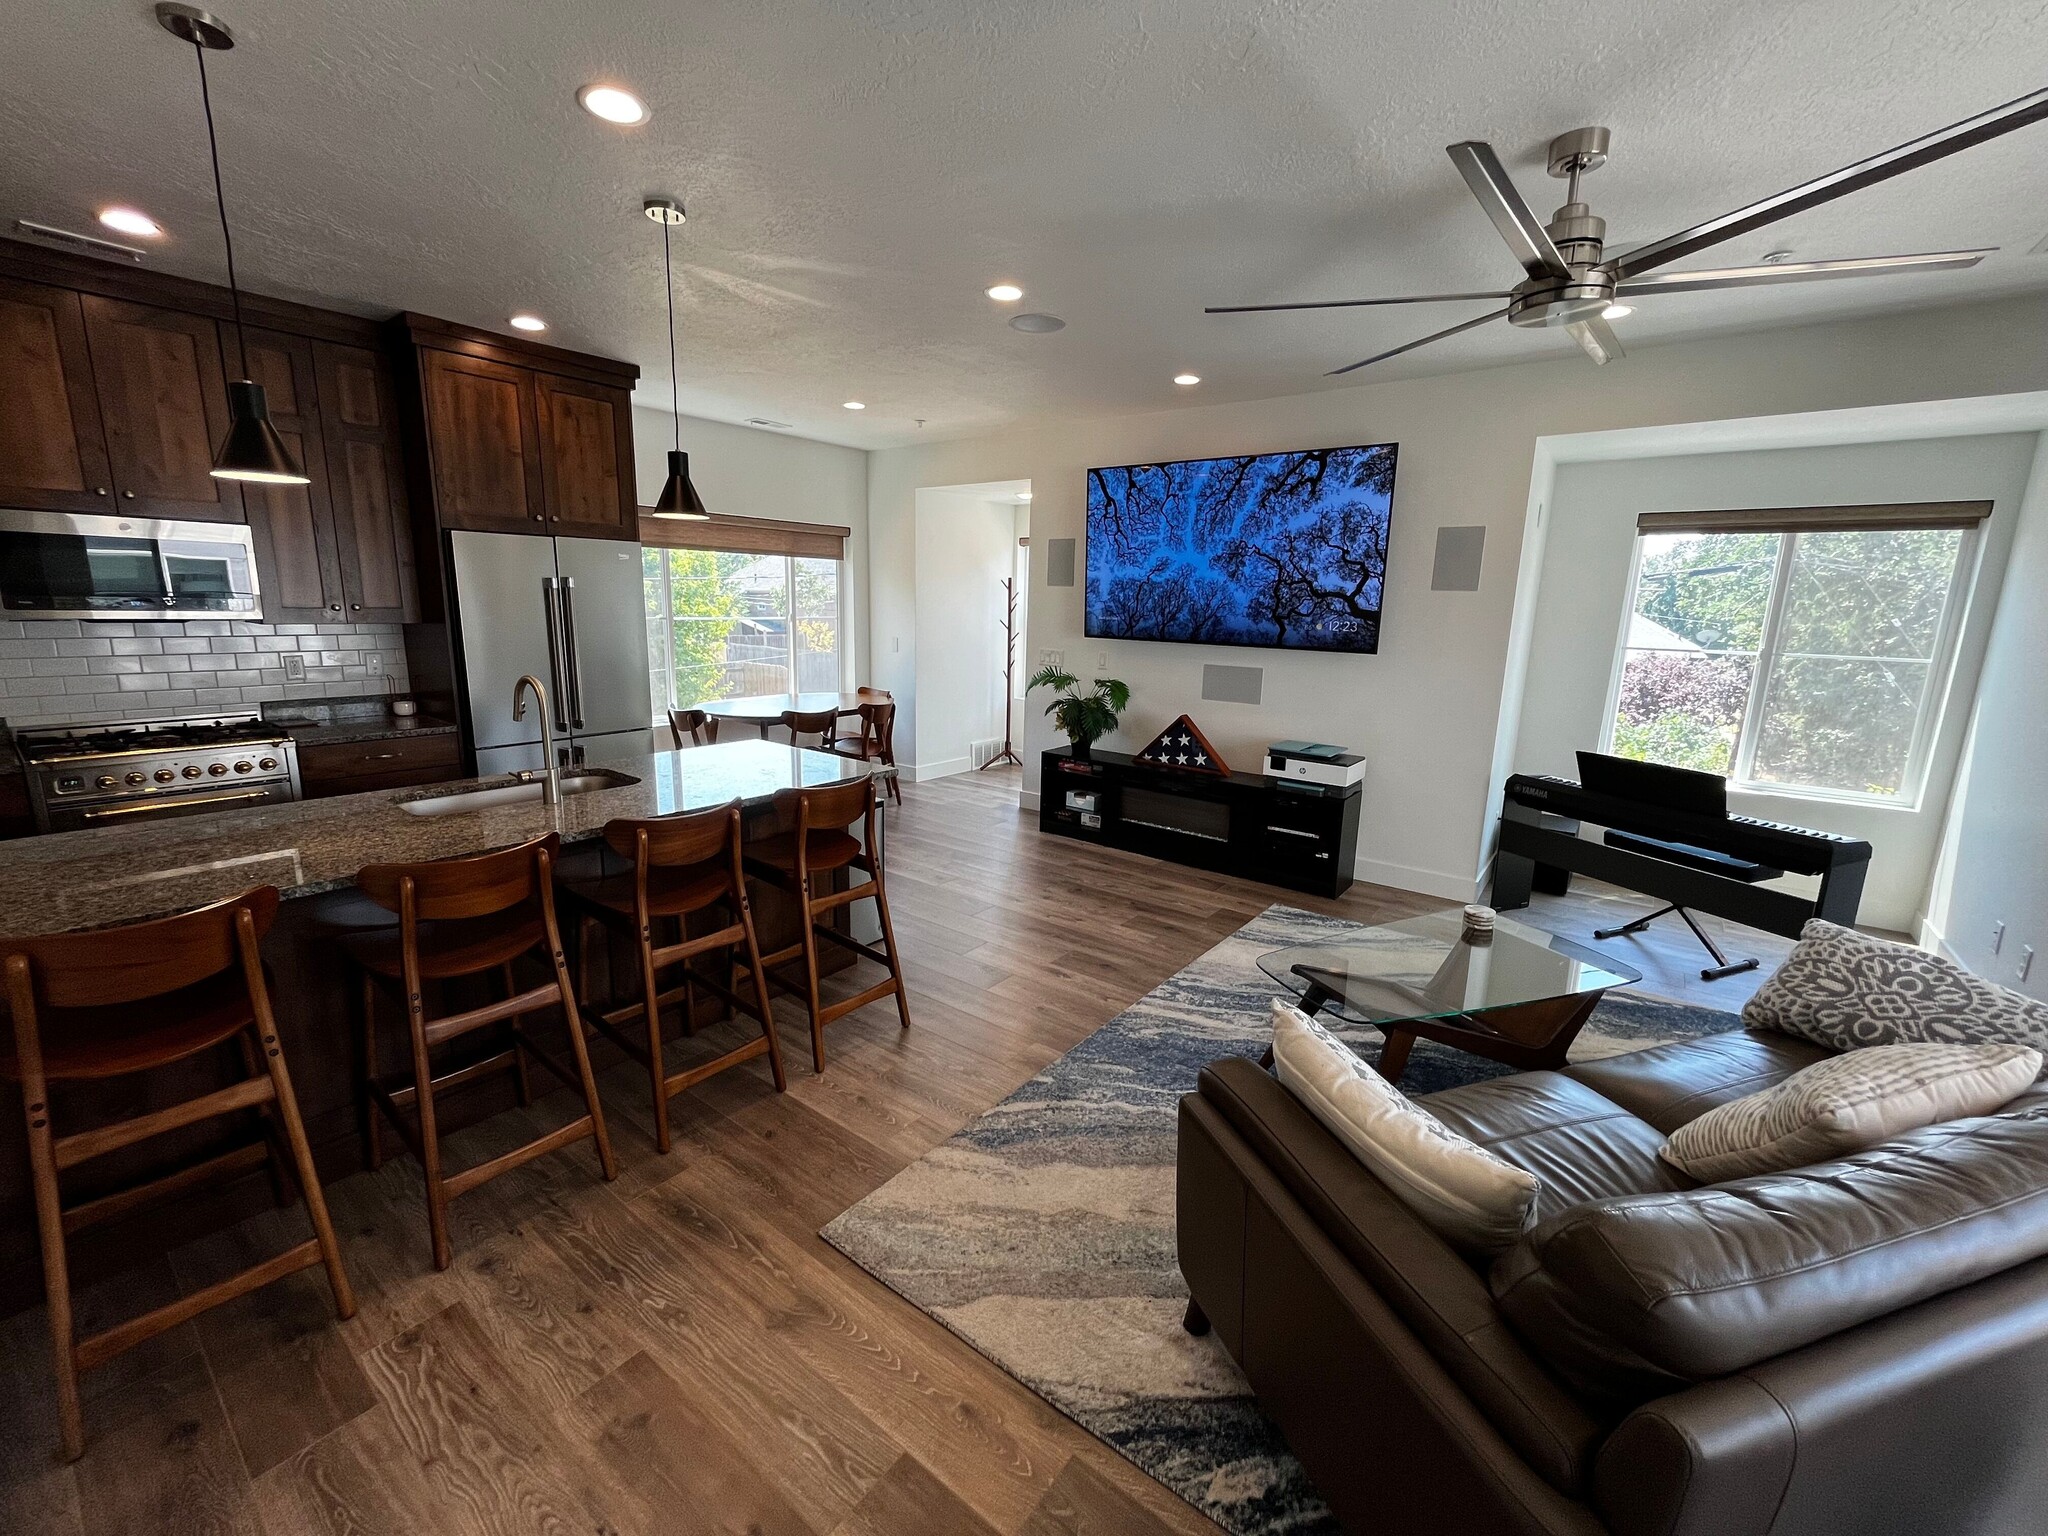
<point x="979" y="752"/>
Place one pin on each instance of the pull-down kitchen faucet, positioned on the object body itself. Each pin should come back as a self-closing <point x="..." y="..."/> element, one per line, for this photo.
<point x="551" y="775"/>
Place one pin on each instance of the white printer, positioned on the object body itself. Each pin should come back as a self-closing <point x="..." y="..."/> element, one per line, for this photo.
<point x="1314" y="762"/>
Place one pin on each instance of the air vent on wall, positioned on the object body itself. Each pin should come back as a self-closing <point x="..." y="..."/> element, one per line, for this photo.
<point x="763" y="421"/>
<point x="49" y="234"/>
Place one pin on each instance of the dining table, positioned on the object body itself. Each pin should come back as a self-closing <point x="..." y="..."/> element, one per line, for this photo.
<point x="762" y="710"/>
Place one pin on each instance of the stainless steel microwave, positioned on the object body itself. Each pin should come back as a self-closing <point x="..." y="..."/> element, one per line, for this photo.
<point x="63" y="565"/>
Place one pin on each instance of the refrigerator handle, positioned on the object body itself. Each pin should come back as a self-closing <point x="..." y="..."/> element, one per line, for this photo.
<point x="555" y="669"/>
<point x="573" y="657"/>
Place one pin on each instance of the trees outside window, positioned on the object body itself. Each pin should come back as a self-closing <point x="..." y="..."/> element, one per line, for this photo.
<point x="1804" y="660"/>
<point x="721" y="625"/>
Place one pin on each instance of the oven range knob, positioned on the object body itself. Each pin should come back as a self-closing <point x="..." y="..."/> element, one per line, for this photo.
<point x="244" y="766"/>
<point x="191" y="770"/>
<point x="216" y="769"/>
<point x="164" y="775"/>
<point x="138" y="778"/>
<point x="267" y="763"/>
<point x="106" y="781"/>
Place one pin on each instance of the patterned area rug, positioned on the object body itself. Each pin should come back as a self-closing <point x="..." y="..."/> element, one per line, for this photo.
<point x="1042" y="1234"/>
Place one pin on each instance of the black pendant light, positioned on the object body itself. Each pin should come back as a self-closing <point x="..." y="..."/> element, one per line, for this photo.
<point x="252" y="449"/>
<point x="679" y="501"/>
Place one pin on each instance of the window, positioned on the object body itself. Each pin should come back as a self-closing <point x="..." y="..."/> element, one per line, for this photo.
<point x="1796" y="652"/>
<point x="722" y="624"/>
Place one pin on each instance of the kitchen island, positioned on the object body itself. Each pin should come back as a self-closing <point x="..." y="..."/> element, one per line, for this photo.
<point x="74" y="881"/>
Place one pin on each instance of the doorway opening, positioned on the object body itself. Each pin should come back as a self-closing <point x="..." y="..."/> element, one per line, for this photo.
<point x="971" y="542"/>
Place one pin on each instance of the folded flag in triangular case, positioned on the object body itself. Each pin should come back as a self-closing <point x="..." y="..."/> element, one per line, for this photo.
<point x="1182" y="746"/>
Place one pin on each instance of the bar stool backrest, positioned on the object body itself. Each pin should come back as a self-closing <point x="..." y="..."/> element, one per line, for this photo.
<point x="830" y="807"/>
<point x="475" y="886"/>
<point x="817" y="722"/>
<point x="142" y="960"/>
<point x="690" y="723"/>
<point x="671" y="841"/>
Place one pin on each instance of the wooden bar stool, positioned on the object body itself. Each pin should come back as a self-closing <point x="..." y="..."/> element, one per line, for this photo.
<point x="820" y="723"/>
<point x="457" y="918"/>
<point x="113" y="1002"/>
<point x="797" y="861"/>
<point x="673" y="868"/>
<point x="876" y="741"/>
<point x="701" y="728"/>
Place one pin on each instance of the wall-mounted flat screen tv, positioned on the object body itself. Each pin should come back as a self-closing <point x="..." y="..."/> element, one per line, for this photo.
<point x="1270" y="549"/>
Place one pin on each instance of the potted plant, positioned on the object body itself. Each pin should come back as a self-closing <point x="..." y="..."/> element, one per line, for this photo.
<point x="1084" y="717"/>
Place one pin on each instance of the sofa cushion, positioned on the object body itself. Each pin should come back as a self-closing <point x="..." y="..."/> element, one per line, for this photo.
<point x="1430" y="1287"/>
<point x="1579" y="1145"/>
<point x="1849" y="1102"/>
<point x="1634" y="1297"/>
<point x="1480" y="1203"/>
<point x="1668" y="1085"/>
<point x="1845" y="989"/>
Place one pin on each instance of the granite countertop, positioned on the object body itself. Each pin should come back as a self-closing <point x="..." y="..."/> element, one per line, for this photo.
<point x="340" y="732"/>
<point x="105" y="875"/>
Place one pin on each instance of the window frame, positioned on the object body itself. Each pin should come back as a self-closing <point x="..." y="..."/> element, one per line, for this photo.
<point x="666" y="662"/>
<point x="1791" y="525"/>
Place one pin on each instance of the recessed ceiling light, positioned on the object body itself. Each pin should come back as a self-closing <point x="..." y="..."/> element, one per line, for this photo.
<point x="1617" y="311"/>
<point x="1187" y="378"/>
<point x="1037" y="325"/>
<point x="527" y="323"/>
<point x="856" y="405"/>
<point x="131" y="221"/>
<point x="1006" y="293"/>
<point x="613" y="105"/>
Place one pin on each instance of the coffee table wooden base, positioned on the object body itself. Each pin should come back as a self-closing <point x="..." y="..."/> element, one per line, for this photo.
<point x="1529" y="1036"/>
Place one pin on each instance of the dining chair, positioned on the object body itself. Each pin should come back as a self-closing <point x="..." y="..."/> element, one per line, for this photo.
<point x="800" y="861"/>
<point x="701" y="728"/>
<point x="874" y="742"/>
<point x="116" y="1002"/>
<point x="819" y="724"/>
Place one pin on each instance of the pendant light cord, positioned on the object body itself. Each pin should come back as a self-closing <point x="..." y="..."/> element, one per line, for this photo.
<point x="675" y="385"/>
<point x="220" y="202"/>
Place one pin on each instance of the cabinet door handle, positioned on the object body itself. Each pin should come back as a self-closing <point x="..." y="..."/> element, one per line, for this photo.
<point x="334" y="607"/>
<point x="356" y="607"/>
<point x="99" y="490"/>
<point x="129" y="495"/>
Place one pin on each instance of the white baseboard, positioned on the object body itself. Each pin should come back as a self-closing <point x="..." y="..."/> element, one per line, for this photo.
<point x="1934" y="941"/>
<point x="1028" y="799"/>
<point x="1424" y="882"/>
<point x="923" y="772"/>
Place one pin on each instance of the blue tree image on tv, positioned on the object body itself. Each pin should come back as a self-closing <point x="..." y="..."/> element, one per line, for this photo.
<point x="1280" y="549"/>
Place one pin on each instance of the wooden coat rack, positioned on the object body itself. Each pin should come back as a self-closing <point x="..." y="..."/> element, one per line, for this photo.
<point x="1009" y="753"/>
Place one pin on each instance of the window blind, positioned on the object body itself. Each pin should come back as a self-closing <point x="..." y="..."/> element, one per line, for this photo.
<point x="747" y="536"/>
<point x="1892" y="515"/>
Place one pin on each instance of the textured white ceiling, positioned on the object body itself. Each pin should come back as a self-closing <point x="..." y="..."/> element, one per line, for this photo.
<point x="856" y="173"/>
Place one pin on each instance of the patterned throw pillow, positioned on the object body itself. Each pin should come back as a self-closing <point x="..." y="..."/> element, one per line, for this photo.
<point x="1844" y="989"/>
<point x="1471" y="1197"/>
<point x="1847" y="1103"/>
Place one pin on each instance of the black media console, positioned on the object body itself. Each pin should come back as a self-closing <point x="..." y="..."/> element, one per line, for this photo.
<point x="1304" y="836"/>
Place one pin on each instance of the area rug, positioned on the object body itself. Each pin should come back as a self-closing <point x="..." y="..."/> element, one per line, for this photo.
<point x="1042" y="1234"/>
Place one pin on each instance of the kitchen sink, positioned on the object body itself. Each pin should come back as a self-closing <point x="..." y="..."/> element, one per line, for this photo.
<point x="525" y="790"/>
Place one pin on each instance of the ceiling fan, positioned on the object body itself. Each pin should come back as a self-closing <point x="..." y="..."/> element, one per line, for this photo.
<point x="1573" y="283"/>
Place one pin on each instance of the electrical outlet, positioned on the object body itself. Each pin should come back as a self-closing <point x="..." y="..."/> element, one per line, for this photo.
<point x="294" y="667"/>
<point x="372" y="662"/>
<point x="2026" y="961"/>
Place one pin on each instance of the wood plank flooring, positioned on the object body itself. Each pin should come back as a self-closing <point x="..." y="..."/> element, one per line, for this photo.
<point x="678" y="1351"/>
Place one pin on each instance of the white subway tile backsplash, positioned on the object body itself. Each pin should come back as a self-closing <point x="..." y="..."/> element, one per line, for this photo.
<point x="64" y="669"/>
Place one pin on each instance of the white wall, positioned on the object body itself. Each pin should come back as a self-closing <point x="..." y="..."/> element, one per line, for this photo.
<point x="1427" y="708"/>
<point x="1583" y="591"/>
<point x="965" y="545"/>
<point x="1994" y="864"/>
<point x="747" y="472"/>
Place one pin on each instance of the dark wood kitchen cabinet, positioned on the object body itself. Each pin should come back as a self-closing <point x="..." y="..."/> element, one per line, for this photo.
<point x="53" y="453"/>
<point x="524" y="438"/>
<point x="292" y="526"/>
<point x="366" y="478"/>
<point x="163" y="404"/>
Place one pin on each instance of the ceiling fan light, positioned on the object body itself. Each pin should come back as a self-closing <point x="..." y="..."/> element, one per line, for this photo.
<point x="679" y="501"/>
<point x="252" y="449"/>
<point x="1617" y="311"/>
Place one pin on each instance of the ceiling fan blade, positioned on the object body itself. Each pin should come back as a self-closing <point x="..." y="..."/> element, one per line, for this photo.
<point x="1417" y="298"/>
<point x="2031" y="108"/>
<point x="1598" y="338"/>
<point x="1798" y="272"/>
<point x="1522" y="230"/>
<point x="1498" y="314"/>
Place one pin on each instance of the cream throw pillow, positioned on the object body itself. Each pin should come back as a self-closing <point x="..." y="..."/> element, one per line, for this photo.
<point x="1849" y="1102"/>
<point x="1470" y="1197"/>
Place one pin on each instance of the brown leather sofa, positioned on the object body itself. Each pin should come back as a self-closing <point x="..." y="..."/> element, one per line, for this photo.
<point x="1860" y="1347"/>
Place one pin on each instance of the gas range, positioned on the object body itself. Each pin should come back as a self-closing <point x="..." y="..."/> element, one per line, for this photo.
<point x="91" y="775"/>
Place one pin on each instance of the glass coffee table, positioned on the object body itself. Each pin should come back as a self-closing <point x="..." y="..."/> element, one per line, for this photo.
<point x="1518" y="995"/>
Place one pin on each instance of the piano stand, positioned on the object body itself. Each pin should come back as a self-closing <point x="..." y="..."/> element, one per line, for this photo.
<point x="1722" y="965"/>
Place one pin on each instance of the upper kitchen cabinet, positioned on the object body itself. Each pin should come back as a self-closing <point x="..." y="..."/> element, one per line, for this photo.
<point x="53" y="454"/>
<point x="366" y="480"/>
<point x="298" y="565"/>
<point x="523" y="438"/>
<point x="163" y="403"/>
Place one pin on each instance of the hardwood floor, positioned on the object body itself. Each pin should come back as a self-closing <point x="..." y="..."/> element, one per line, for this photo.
<point x="678" y="1351"/>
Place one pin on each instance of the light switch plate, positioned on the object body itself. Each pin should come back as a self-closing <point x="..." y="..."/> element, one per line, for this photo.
<point x="2026" y="961"/>
<point x="1052" y="658"/>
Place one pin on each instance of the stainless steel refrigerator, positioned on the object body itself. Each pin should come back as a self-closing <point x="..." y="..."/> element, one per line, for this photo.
<point x="572" y="613"/>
